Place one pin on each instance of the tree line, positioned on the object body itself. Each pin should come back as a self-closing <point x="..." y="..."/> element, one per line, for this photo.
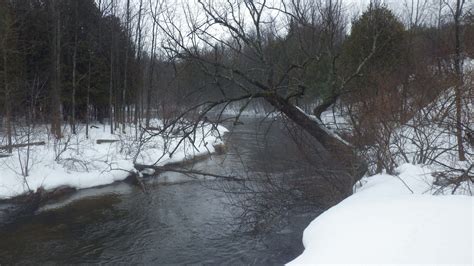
<point x="65" y="62"/>
<point x="69" y="62"/>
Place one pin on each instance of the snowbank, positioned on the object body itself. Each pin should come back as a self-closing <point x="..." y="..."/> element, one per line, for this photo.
<point x="393" y="220"/>
<point x="79" y="162"/>
<point x="404" y="218"/>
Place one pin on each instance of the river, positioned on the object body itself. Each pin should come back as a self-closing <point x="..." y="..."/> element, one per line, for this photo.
<point x="179" y="220"/>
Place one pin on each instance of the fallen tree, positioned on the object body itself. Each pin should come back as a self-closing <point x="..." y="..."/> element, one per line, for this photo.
<point x="22" y="145"/>
<point x="102" y="141"/>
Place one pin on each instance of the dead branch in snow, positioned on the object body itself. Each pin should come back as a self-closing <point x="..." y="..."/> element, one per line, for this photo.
<point x="102" y="141"/>
<point x="22" y="145"/>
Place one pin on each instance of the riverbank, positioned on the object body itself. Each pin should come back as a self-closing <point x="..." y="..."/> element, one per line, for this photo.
<point x="79" y="162"/>
<point x="393" y="220"/>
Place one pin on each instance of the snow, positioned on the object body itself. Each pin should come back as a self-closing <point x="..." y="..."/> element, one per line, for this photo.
<point x="79" y="162"/>
<point x="336" y="118"/>
<point x="384" y="222"/>
<point x="324" y="127"/>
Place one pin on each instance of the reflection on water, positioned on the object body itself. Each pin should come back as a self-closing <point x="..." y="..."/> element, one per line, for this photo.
<point x="184" y="222"/>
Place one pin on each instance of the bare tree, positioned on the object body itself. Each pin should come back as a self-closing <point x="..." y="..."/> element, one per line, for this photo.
<point x="242" y="30"/>
<point x="416" y="12"/>
<point x="457" y="13"/>
<point x="155" y="10"/>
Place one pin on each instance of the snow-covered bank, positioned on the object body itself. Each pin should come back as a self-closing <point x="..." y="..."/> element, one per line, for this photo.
<point x="408" y="217"/>
<point x="393" y="220"/>
<point x="79" y="162"/>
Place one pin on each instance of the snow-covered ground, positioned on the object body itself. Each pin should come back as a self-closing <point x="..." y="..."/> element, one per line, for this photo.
<point x="393" y="220"/>
<point x="80" y="162"/>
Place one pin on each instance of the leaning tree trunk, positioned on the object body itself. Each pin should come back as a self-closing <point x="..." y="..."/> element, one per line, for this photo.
<point x="340" y="151"/>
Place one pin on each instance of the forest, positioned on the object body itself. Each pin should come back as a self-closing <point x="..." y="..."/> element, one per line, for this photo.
<point x="76" y="61"/>
<point x="94" y="92"/>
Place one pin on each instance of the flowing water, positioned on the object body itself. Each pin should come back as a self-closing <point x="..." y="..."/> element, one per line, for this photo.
<point x="179" y="220"/>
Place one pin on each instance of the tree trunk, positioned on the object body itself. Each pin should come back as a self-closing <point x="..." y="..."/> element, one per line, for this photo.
<point x="111" y="81"/>
<point x="7" y="96"/>
<point x="88" y="95"/>
<point x="56" y="71"/>
<point x="458" y="61"/>
<point x="125" y="78"/>
<point x="139" y="56"/>
<point x="152" y="70"/>
<point x="74" y="72"/>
